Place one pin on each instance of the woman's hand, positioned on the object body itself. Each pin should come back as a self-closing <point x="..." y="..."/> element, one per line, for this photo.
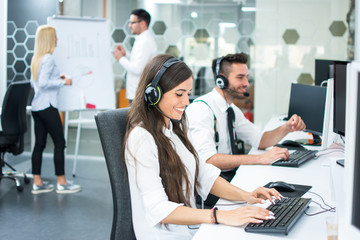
<point x="243" y="215"/>
<point x="262" y="193"/>
<point x="68" y="81"/>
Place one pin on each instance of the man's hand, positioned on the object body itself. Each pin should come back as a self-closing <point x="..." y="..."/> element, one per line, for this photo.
<point x="295" y="123"/>
<point x="119" y="52"/>
<point x="274" y="154"/>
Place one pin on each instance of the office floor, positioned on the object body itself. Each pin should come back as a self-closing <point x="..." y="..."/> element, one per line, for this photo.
<point x="83" y="215"/>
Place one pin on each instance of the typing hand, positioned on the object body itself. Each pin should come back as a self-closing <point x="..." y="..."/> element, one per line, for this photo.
<point x="243" y="215"/>
<point x="261" y="193"/>
<point x="274" y="154"/>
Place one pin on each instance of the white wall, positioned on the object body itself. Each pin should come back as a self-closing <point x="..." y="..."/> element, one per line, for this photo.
<point x="277" y="64"/>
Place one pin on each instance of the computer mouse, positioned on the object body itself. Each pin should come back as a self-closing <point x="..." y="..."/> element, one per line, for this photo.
<point x="282" y="186"/>
<point x="291" y="143"/>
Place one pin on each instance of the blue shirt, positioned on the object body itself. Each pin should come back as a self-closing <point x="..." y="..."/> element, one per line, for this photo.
<point x="47" y="84"/>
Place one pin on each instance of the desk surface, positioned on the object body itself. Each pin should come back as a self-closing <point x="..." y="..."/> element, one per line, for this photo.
<point x="317" y="173"/>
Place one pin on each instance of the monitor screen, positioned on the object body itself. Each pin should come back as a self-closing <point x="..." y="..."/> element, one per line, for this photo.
<point x="308" y="102"/>
<point x="339" y="97"/>
<point x="322" y="70"/>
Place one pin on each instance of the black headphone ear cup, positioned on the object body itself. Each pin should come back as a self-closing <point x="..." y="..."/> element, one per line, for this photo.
<point x="152" y="94"/>
<point x="221" y="82"/>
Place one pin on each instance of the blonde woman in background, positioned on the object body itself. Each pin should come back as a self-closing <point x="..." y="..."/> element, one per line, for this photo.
<point x="46" y="81"/>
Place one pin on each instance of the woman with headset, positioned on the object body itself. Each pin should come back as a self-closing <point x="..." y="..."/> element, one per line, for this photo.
<point x="164" y="170"/>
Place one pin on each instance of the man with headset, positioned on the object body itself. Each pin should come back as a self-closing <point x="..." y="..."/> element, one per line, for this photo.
<point x="143" y="50"/>
<point x="211" y="116"/>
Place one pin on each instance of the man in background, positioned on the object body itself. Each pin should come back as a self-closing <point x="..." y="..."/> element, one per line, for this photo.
<point x="143" y="50"/>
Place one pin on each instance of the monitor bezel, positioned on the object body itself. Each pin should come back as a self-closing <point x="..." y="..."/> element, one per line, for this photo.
<point x="335" y="130"/>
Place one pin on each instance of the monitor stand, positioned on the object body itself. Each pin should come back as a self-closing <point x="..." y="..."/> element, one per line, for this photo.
<point x="316" y="141"/>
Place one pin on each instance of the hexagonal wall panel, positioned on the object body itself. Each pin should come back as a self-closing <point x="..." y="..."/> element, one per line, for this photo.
<point x="10" y="73"/>
<point x="173" y="51"/>
<point x="20" y="66"/>
<point x="10" y="43"/>
<point x="126" y="27"/>
<point x="28" y="73"/>
<point x="201" y="35"/>
<point x="187" y="27"/>
<point x="161" y="44"/>
<point x="159" y="28"/>
<point x="10" y="58"/>
<point x="30" y="42"/>
<point x="291" y="36"/>
<point x="31" y="27"/>
<point x="213" y="27"/>
<point x="118" y="35"/>
<point x="20" y="51"/>
<point x="305" y="78"/>
<point x="246" y="26"/>
<point x="28" y="58"/>
<point x="11" y="28"/>
<point x="231" y="35"/>
<point x="172" y="36"/>
<point x="20" y="36"/>
<point x="337" y="28"/>
<point x="129" y="43"/>
<point x="244" y="44"/>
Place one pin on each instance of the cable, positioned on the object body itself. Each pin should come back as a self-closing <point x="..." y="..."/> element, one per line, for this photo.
<point x="329" y="209"/>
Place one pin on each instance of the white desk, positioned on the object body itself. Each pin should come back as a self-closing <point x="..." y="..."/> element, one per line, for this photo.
<point x="316" y="173"/>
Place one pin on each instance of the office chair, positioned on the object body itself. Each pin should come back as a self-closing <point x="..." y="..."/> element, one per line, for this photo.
<point x="112" y="127"/>
<point x="13" y="122"/>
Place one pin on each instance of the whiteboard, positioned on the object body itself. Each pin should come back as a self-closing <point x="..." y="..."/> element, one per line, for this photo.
<point x="83" y="53"/>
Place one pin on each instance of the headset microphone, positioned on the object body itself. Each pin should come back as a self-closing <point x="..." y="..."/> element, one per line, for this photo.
<point x="246" y="94"/>
<point x="172" y="119"/>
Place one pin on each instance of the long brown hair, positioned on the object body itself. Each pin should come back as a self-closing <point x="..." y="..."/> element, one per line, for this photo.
<point x="173" y="172"/>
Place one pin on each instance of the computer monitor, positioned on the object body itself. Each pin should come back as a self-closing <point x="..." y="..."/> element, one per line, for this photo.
<point x="339" y="97"/>
<point x="323" y="70"/>
<point x="308" y="102"/>
<point x="350" y="225"/>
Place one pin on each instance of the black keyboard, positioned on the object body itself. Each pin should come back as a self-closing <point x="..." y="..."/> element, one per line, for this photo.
<point x="287" y="211"/>
<point x="296" y="158"/>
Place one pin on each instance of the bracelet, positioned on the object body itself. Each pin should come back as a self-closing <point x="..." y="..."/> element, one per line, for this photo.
<point x="212" y="218"/>
<point x="216" y="222"/>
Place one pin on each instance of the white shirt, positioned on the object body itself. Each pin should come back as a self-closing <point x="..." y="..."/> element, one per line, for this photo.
<point x="201" y="126"/>
<point x="143" y="50"/>
<point x="149" y="202"/>
<point x="47" y="84"/>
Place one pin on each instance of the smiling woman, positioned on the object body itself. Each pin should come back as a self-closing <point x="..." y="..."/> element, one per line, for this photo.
<point x="163" y="167"/>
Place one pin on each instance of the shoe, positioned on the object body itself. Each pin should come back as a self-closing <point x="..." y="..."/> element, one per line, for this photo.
<point x="68" y="188"/>
<point x="44" y="188"/>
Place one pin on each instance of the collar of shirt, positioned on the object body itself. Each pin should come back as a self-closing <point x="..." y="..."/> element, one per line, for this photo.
<point x="221" y="103"/>
<point x="168" y="131"/>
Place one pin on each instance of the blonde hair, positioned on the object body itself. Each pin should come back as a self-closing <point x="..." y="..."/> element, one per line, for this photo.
<point x="44" y="43"/>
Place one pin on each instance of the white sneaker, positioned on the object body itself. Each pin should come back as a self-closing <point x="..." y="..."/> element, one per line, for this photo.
<point x="68" y="188"/>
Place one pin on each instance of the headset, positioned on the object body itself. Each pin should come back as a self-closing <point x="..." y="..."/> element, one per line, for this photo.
<point x="153" y="91"/>
<point x="221" y="81"/>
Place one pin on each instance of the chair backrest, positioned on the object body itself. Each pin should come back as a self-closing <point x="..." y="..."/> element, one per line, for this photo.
<point x="13" y="113"/>
<point x="112" y="128"/>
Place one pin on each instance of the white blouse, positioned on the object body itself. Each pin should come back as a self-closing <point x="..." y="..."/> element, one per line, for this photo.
<point x="150" y="204"/>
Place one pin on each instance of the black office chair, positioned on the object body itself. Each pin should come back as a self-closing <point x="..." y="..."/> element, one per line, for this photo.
<point x="200" y="83"/>
<point x="13" y="123"/>
<point x="112" y="128"/>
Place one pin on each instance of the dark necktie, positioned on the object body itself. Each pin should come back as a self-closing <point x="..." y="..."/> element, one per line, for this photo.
<point x="231" y="118"/>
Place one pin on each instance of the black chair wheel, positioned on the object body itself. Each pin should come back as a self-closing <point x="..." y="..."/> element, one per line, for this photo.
<point x="20" y="188"/>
